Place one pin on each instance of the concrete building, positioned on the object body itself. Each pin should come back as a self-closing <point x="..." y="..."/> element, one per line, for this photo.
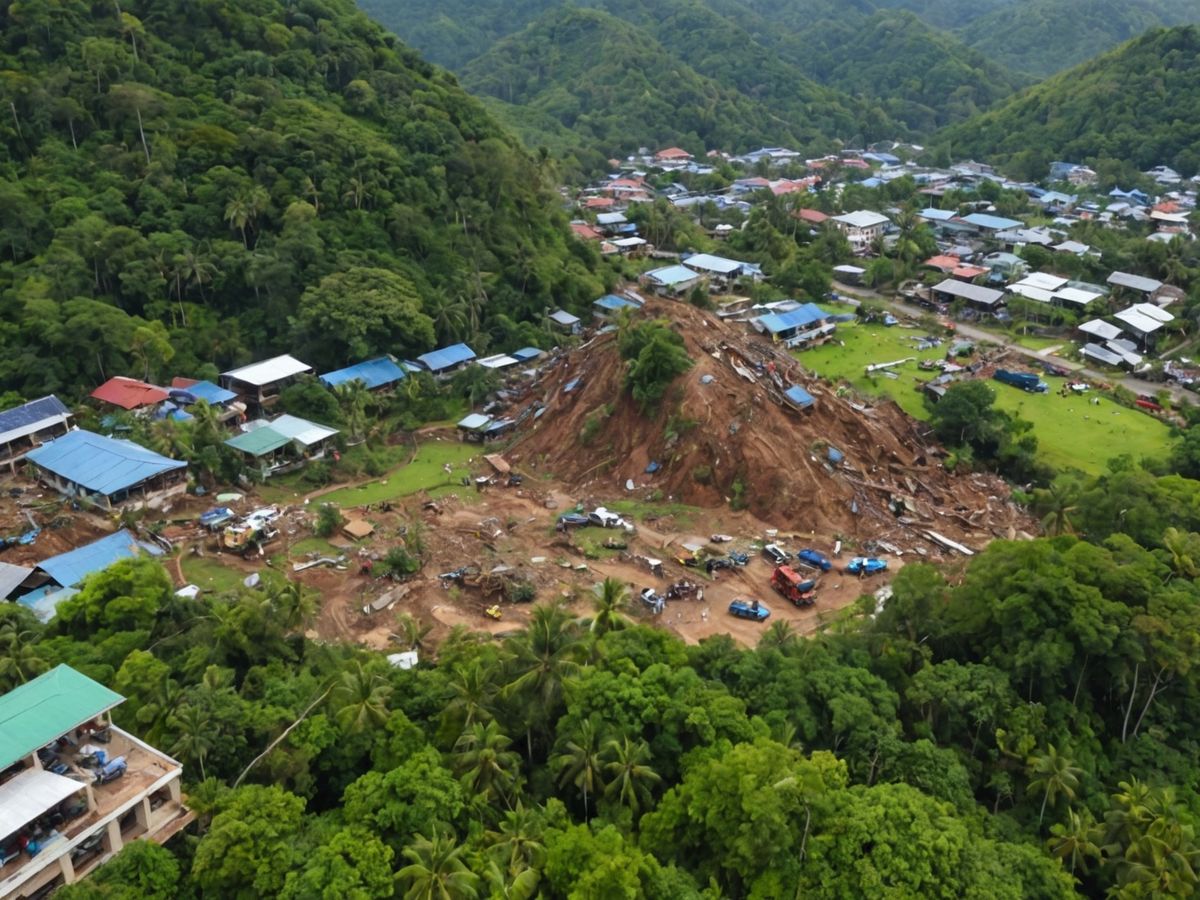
<point x="260" y="383"/>
<point x="74" y="788"/>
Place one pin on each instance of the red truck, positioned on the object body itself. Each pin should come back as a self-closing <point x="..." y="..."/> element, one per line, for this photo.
<point x="793" y="586"/>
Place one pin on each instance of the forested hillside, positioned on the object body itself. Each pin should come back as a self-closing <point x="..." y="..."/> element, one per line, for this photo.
<point x="1040" y="37"/>
<point x="619" y="89"/>
<point x="1139" y="104"/>
<point x="843" y="71"/>
<point x="186" y="186"/>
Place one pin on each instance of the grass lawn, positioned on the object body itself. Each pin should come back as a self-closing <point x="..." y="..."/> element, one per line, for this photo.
<point x="1072" y="433"/>
<point x="208" y="574"/>
<point x="424" y="473"/>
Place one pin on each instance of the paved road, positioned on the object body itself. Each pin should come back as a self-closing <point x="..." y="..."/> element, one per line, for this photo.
<point x="975" y="333"/>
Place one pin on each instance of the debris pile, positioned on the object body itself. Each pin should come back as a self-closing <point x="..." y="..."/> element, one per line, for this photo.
<point x="728" y="433"/>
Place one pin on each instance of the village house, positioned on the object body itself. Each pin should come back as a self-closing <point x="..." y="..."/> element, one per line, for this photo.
<point x="107" y="472"/>
<point x="561" y="320"/>
<point x="376" y="375"/>
<point x="981" y="298"/>
<point x="671" y="280"/>
<point x="260" y="384"/>
<point x="721" y="271"/>
<point x="282" y="444"/>
<point x="1144" y="321"/>
<point x="673" y="157"/>
<point x="53" y="808"/>
<point x="609" y="305"/>
<point x="30" y="425"/>
<point x="129" y="393"/>
<point x="188" y="392"/>
<point x="861" y="228"/>
<point x="1123" y="282"/>
<point x="805" y="324"/>
<point x="447" y="360"/>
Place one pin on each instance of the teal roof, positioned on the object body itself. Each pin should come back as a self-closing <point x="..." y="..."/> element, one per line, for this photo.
<point x="259" y="442"/>
<point x="37" y="712"/>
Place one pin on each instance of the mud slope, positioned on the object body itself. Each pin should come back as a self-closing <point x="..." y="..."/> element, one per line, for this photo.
<point x="713" y="438"/>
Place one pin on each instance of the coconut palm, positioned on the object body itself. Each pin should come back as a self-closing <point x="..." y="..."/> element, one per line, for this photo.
<point x="608" y="607"/>
<point x="516" y="844"/>
<point x="540" y="659"/>
<point x="411" y="632"/>
<point x="780" y="634"/>
<point x="474" y="688"/>
<point x="436" y="870"/>
<point x="20" y="659"/>
<point x="292" y="603"/>
<point x="488" y="768"/>
<point x="1054" y="776"/>
<point x="353" y="398"/>
<point x="1074" y="841"/>
<point x="193" y="725"/>
<point x="361" y="698"/>
<point x="578" y="763"/>
<point x="630" y="777"/>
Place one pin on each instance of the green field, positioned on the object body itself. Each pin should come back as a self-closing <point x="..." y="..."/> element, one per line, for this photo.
<point x="424" y="473"/>
<point x="210" y="574"/>
<point x="1071" y="431"/>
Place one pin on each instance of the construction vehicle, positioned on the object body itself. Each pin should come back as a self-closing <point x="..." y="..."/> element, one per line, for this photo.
<point x="249" y="535"/>
<point x="866" y="565"/>
<point x="1026" y="381"/>
<point x="493" y="612"/>
<point x="749" y="609"/>
<point x="793" y="586"/>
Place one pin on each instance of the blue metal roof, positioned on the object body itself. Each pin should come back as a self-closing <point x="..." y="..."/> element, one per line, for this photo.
<point x="28" y="418"/>
<point x="799" y="396"/>
<point x="210" y="393"/>
<point x="374" y="373"/>
<point x="101" y="464"/>
<point x="996" y="223"/>
<point x="527" y="353"/>
<point x="70" y="568"/>
<point x="613" y="302"/>
<point x="672" y="275"/>
<point x="796" y="318"/>
<point x="446" y="357"/>
<point x="474" y="421"/>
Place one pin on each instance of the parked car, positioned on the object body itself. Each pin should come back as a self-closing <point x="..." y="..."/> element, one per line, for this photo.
<point x="866" y="565"/>
<point x="815" y="559"/>
<point x="572" y="520"/>
<point x="718" y="562"/>
<point x="653" y="599"/>
<point x="738" y="558"/>
<point x="606" y="518"/>
<point x="775" y="554"/>
<point x="749" y="609"/>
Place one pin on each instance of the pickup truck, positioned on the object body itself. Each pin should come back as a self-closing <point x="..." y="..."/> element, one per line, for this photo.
<point x="749" y="609"/>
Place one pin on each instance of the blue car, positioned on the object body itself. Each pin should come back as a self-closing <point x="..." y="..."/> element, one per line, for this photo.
<point x="749" y="609"/>
<point x="572" y="520"/>
<point x="815" y="559"/>
<point x="866" y="565"/>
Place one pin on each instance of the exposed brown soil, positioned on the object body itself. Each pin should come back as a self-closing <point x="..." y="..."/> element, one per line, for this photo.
<point x="709" y="438"/>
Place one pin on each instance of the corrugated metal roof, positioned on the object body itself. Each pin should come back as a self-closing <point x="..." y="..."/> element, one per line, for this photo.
<point x="1075" y="295"/>
<point x="1042" y="281"/>
<point x="31" y="417"/>
<point x="614" y="302"/>
<point x="101" y="464"/>
<point x="301" y="430"/>
<point x="499" y="361"/>
<point x="993" y="223"/>
<point x="1100" y="329"/>
<point x="446" y="357"/>
<point x="474" y="421"/>
<point x="668" y="276"/>
<point x="129" y="393"/>
<point x="29" y="794"/>
<point x="937" y="215"/>
<point x="1095" y="351"/>
<point x="268" y="371"/>
<point x="374" y="373"/>
<point x="70" y="568"/>
<point x="210" y="393"/>
<point x="11" y="577"/>
<point x="562" y="317"/>
<point x="862" y="218"/>
<point x="1134" y="282"/>
<point x="972" y="292"/>
<point x="706" y="262"/>
<point x="527" y="353"/>
<point x="49" y="706"/>
<point x="259" y="441"/>
<point x="799" y="396"/>
<point x="799" y="317"/>
<point x="1139" y="321"/>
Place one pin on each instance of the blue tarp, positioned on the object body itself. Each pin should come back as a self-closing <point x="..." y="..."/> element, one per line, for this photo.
<point x="374" y="373"/>
<point x="799" y="396"/>
<point x="101" y="464"/>
<point x="446" y="357"/>
<point x="70" y="568"/>
<point x="24" y="419"/>
<point x="210" y="393"/>
<point x="800" y="317"/>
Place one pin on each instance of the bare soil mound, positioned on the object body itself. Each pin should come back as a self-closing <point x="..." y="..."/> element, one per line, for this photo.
<point x="724" y="433"/>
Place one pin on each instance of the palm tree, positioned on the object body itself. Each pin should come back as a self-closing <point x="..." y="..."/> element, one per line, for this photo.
<point x="474" y="690"/>
<point x="411" y="631"/>
<point x="780" y="634"/>
<point x="629" y="773"/>
<point x="353" y="398"/>
<point x="19" y="657"/>
<point x="1074" y="841"/>
<point x="608" y="606"/>
<point x="195" y="738"/>
<point x="579" y="763"/>
<point x="541" y="658"/>
<point x="488" y="769"/>
<point x="294" y="605"/>
<point x="436" y="870"/>
<point x="517" y="842"/>
<point x="1053" y="775"/>
<point x="1056" y="504"/>
<point x="1181" y="546"/>
<point x="363" y="698"/>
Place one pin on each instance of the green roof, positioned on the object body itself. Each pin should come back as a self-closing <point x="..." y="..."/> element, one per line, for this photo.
<point x="37" y="712"/>
<point x="259" y="442"/>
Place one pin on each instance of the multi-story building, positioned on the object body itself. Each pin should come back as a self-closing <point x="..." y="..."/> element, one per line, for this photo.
<point x="74" y="788"/>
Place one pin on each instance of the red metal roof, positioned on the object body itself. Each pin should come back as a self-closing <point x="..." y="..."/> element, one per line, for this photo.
<point x="944" y="263"/>
<point x="970" y="273"/>
<point x="587" y="232"/>
<point x="811" y="215"/>
<point x="672" y="153"/>
<point x="129" y="393"/>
